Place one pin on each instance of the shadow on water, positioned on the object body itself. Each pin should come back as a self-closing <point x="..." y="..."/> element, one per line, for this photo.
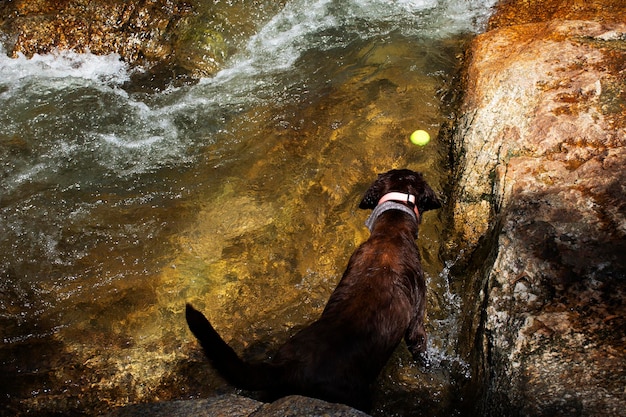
<point x="250" y="213"/>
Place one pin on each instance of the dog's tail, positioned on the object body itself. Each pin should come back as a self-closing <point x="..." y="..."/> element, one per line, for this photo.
<point x="242" y="374"/>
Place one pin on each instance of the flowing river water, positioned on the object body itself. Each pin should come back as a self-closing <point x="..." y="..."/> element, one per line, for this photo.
<point x="238" y="193"/>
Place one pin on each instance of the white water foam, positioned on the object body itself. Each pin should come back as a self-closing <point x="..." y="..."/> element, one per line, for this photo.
<point x="32" y="90"/>
<point x="305" y="24"/>
<point x="279" y="43"/>
<point x="63" y="65"/>
<point x="117" y="141"/>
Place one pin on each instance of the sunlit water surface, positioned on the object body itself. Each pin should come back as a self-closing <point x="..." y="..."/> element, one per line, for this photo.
<point x="238" y="193"/>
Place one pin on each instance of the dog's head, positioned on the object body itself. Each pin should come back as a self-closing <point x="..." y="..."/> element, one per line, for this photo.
<point x="403" y="181"/>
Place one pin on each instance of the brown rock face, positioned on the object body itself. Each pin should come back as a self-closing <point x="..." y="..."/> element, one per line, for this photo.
<point x="517" y="12"/>
<point x="549" y="91"/>
<point x="542" y="155"/>
<point x="141" y="32"/>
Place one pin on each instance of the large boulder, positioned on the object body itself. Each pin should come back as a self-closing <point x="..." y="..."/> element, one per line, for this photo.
<point x="540" y="214"/>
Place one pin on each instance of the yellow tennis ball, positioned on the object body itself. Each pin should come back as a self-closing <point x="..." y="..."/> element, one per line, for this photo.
<point x="420" y="137"/>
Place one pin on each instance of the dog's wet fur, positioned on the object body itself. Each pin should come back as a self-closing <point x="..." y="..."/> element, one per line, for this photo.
<point x="379" y="301"/>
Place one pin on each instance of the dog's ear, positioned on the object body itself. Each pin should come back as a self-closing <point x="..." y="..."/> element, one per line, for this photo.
<point x="428" y="200"/>
<point x="373" y="194"/>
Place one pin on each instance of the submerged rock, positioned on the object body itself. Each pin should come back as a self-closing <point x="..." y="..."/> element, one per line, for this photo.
<point x="541" y="198"/>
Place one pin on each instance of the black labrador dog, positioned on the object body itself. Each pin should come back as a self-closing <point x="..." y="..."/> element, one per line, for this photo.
<point x="379" y="301"/>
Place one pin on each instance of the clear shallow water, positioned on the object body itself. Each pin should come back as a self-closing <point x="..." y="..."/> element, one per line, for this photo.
<point x="238" y="193"/>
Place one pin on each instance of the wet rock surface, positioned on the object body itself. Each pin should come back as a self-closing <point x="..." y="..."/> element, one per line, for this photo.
<point x="541" y="214"/>
<point x="173" y="38"/>
<point x="141" y="32"/>
<point x="236" y="406"/>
